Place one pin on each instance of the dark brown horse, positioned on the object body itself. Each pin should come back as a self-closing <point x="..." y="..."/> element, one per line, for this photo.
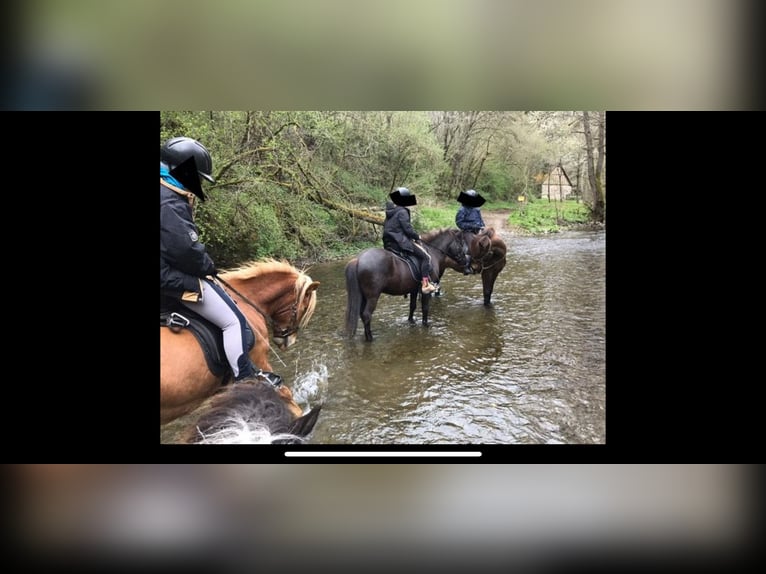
<point x="376" y="271"/>
<point x="251" y="412"/>
<point x="487" y="257"/>
<point x="284" y="299"/>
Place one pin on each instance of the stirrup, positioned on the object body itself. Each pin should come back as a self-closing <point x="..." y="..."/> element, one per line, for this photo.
<point x="272" y="378"/>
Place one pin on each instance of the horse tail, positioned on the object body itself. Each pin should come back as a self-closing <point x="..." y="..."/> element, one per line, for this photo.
<point x="354" y="297"/>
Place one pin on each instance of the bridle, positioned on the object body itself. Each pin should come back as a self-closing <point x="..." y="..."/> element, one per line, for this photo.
<point x="486" y="257"/>
<point x="483" y="266"/>
<point x="461" y="253"/>
<point x="277" y="332"/>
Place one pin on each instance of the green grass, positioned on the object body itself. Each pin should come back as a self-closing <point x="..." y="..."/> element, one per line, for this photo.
<point x="536" y="216"/>
<point x="427" y="218"/>
<point x="542" y="216"/>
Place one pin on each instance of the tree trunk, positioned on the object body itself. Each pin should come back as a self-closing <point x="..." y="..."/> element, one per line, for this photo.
<point x="596" y="204"/>
<point x="601" y="148"/>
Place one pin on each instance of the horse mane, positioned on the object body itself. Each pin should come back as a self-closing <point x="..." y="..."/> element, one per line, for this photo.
<point x="245" y="413"/>
<point x="253" y="269"/>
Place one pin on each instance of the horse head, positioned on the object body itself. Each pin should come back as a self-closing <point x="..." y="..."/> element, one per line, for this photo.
<point x="281" y="294"/>
<point x="287" y="321"/>
<point x="448" y="243"/>
<point x="252" y="412"/>
<point x="481" y="244"/>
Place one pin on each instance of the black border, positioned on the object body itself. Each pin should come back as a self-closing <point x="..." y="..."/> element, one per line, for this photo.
<point x="87" y="369"/>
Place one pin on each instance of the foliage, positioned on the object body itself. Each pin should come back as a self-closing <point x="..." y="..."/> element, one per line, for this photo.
<point x="312" y="185"/>
<point x="497" y="181"/>
<point x="428" y="218"/>
<point x="542" y="216"/>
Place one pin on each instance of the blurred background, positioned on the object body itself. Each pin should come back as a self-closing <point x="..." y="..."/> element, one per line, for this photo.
<point x="237" y="518"/>
<point x="345" y="54"/>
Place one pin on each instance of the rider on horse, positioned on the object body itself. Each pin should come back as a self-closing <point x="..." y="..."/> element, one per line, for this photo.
<point x="398" y="233"/>
<point x="468" y="219"/>
<point x="185" y="266"/>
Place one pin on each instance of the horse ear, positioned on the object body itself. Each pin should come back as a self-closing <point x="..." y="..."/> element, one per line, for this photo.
<point x="302" y="426"/>
<point x="490" y="231"/>
<point x="313" y="286"/>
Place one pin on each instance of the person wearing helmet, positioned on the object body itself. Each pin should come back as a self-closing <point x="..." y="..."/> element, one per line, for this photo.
<point x="398" y="233"/>
<point x="185" y="266"/>
<point x="468" y="219"/>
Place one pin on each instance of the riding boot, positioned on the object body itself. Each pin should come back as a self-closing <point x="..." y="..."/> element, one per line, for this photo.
<point x="246" y="371"/>
<point x="468" y="269"/>
<point x="253" y="372"/>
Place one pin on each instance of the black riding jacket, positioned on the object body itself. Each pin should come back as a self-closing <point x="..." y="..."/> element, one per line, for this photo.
<point x="397" y="229"/>
<point x="183" y="259"/>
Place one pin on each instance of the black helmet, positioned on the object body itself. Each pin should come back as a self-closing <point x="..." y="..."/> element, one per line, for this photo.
<point x="403" y="196"/>
<point x="187" y="160"/>
<point x="471" y="198"/>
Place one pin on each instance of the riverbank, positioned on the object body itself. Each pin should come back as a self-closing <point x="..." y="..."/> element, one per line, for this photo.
<point x="499" y="219"/>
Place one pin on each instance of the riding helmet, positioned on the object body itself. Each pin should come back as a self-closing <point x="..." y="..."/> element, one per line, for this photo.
<point x="471" y="198"/>
<point x="187" y="160"/>
<point x="403" y="196"/>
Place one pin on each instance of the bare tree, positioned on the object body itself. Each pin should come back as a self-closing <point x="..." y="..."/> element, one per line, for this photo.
<point x="595" y="169"/>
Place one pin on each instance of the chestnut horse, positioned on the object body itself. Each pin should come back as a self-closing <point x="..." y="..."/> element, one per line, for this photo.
<point x="487" y="257"/>
<point x="376" y="271"/>
<point x="274" y="293"/>
<point x="251" y="412"/>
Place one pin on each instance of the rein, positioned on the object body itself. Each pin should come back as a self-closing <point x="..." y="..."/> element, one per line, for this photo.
<point x="483" y="267"/>
<point x="283" y="333"/>
<point x="438" y="249"/>
<point x="487" y="256"/>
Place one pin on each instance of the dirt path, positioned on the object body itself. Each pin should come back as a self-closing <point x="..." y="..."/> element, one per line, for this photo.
<point x="496" y="219"/>
<point x="499" y="220"/>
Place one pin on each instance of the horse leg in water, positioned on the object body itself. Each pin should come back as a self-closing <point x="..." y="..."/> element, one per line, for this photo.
<point x="413" y="303"/>
<point x="368" y="309"/>
<point x="425" y="303"/>
<point x="488" y="278"/>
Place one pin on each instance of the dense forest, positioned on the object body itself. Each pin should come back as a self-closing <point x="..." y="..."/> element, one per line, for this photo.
<point x="312" y="185"/>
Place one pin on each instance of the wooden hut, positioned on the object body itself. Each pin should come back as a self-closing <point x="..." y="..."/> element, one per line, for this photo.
<point x="556" y="185"/>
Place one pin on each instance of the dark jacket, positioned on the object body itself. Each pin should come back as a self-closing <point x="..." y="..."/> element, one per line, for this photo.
<point x="397" y="229"/>
<point x="183" y="259"/>
<point x="469" y="219"/>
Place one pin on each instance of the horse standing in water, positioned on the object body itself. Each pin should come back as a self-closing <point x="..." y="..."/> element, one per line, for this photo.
<point x="488" y="257"/>
<point x="273" y="293"/>
<point x="376" y="271"/>
<point x="252" y="412"/>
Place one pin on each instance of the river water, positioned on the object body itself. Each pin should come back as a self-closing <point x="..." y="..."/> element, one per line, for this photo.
<point x="529" y="369"/>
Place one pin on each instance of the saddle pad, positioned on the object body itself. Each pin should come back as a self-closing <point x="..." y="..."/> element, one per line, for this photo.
<point x="411" y="261"/>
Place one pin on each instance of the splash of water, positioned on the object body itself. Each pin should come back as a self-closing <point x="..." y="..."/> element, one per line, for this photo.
<point x="311" y="386"/>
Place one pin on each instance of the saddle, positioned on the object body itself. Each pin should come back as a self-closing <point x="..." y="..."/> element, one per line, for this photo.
<point x="175" y="317"/>
<point x="412" y="262"/>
